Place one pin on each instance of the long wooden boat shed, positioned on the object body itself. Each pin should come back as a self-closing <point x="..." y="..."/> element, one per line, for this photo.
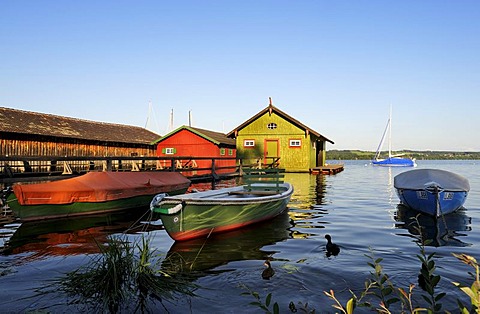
<point x="274" y="137"/>
<point x="26" y="133"/>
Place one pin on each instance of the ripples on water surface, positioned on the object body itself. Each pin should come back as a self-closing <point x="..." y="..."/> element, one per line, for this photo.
<point x="358" y="207"/>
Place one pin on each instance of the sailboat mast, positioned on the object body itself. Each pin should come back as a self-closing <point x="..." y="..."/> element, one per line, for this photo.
<point x="149" y="113"/>
<point x="171" y="120"/>
<point x="390" y="133"/>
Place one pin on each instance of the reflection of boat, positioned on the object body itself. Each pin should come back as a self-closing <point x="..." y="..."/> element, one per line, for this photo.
<point x="236" y="245"/>
<point x="92" y="193"/>
<point x="194" y="215"/>
<point x="69" y="236"/>
<point x="440" y="231"/>
<point x="391" y="160"/>
<point x="432" y="191"/>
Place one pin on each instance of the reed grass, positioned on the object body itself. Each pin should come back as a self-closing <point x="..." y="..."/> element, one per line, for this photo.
<point x="125" y="277"/>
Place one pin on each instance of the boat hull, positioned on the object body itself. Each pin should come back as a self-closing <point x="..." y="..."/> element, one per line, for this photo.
<point x="93" y="193"/>
<point x="394" y="162"/>
<point x="237" y="245"/>
<point x="210" y="212"/>
<point x="434" y="192"/>
<point x="49" y="211"/>
<point x="426" y="202"/>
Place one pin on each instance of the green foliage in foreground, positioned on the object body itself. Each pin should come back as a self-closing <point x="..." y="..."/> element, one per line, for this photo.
<point x="474" y="290"/>
<point x="381" y="288"/>
<point x="127" y="277"/>
<point x="391" y="299"/>
<point x="264" y="306"/>
<point x="419" y="155"/>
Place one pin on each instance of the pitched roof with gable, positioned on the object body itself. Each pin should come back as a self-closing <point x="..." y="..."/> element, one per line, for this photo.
<point x="217" y="138"/>
<point x="282" y="114"/>
<point x="34" y="123"/>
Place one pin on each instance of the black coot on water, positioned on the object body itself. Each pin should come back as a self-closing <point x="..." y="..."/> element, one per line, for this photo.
<point x="332" y="248"/>
<point x="267" y="272"/>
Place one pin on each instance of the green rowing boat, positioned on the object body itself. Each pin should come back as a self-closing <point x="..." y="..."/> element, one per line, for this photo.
<point x="200" y="214"/>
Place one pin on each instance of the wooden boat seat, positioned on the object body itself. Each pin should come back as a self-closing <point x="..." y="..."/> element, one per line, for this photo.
<point x="260" y="192"/>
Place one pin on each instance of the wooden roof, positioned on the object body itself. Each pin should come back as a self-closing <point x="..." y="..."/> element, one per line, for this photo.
<point x="217" y="138"/>
<point x="34" y="123"/>
<point x="270" y="109"/>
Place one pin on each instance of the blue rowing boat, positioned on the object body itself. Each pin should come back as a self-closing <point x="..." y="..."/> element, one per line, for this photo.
<point x="434" y="192"/>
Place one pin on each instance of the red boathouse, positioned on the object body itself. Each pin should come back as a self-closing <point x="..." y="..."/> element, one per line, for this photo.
<point x="191" y="143"/>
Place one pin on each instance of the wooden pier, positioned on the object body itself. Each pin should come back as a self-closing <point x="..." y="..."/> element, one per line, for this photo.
<point x="21" y="168"/>
<point x="327" y="169"/>
<point x="28" y="168"/>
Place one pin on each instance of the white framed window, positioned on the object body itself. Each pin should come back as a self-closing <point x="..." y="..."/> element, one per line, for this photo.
<point x="272" y="126"/>
<point x="169" y="151"/>
<point x="248" y="143"/>
<point x="295" y="143"/>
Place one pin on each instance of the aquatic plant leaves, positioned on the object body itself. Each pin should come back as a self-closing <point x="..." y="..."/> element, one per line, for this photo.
<point x="351" y="306"/>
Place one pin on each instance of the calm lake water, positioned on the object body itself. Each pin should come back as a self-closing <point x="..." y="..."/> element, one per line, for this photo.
<point x="358" y="207"/>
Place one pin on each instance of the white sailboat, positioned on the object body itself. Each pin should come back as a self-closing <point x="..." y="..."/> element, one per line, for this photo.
<point x="391" y="160"/>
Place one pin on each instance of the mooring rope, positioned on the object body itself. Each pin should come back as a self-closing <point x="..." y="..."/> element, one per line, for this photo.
<point x="439" y="211"/>
<point x="204" y="242"/>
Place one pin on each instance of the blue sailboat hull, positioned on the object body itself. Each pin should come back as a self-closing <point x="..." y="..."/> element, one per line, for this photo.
<point x="394" y="162"/>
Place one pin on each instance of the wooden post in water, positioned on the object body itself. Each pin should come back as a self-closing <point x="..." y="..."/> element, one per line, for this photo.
<point x="215" y="176"/>
<point x="240" y="167"/>
<point x="109" y="165"/>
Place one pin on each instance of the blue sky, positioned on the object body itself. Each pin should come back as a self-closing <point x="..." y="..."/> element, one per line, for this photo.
<point x="336" y="66"/>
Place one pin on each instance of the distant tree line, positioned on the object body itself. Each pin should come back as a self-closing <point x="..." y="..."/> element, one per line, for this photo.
<point x="420" y="155"/>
